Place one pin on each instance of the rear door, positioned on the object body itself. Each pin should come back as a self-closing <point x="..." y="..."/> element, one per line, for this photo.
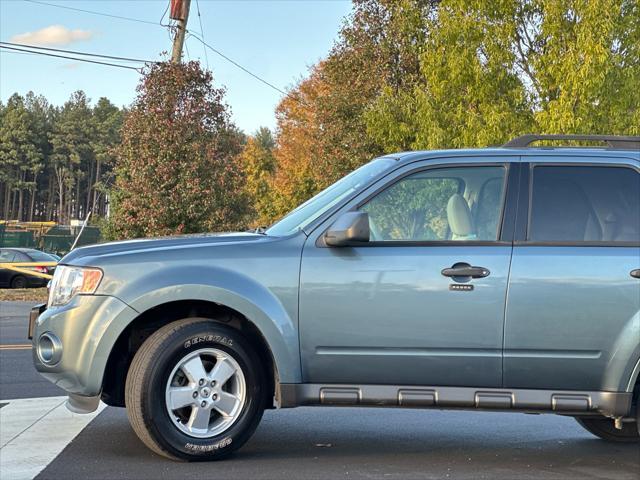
<point x="573" y="304"/>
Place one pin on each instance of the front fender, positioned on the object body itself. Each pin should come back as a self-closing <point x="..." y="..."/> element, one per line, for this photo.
<point x="234" y="290"/>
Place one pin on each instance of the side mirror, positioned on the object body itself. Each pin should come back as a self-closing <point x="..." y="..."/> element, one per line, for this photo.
<point x="350" y="227"/>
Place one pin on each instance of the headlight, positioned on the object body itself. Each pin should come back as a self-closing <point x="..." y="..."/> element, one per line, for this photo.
<point x="71" y="281"/>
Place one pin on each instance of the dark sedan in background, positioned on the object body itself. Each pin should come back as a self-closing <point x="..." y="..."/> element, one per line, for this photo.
<point x="13" y="279"/>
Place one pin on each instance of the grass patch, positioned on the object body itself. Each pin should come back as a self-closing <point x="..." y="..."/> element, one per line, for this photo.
<point x="23" y="295"/>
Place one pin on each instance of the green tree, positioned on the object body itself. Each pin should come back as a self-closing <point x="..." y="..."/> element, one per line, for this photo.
<point x="580" y="61"/>
<point x="20" y="157"/>
<point x="468" y="93"/>
<point x="490" y="70"/>
<point x="107" y="122"/>
<point x="42" y="114"/>
<point x="71" y="154"/>
<point x="176" y="168"/>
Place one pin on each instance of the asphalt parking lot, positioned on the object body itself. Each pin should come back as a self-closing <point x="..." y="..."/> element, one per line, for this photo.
<point x="313" y="443"/>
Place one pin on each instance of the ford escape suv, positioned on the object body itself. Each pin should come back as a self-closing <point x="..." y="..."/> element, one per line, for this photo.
<point x="494" y="279"/>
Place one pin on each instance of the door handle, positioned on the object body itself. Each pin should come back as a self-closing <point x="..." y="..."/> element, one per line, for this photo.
<point x="465" y="270"/>
<point x="635" y="273"/>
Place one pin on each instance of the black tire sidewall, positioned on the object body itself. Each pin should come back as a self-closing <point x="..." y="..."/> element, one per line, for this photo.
<point x="605" y="429"/>
<point x="19" y="279"/>
<point x="187" y="340"/>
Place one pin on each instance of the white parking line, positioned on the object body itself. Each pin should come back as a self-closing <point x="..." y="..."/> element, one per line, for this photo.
<point x="33" y="432"/>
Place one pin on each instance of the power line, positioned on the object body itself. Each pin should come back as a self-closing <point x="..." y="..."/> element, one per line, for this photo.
<point x="230" y="60"/>
<point x="75" y="52"/>
<point x="71" y="58"/>
<point x="17" y="53"/>
<point x="206" y="57"/>
<point x="130" y="19"/>
<point x="217" y="52"/>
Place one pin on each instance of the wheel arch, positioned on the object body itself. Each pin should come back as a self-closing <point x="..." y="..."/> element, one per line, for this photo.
<point x="135" y="333"/>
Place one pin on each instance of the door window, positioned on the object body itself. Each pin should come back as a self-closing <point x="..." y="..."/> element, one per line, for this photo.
<point x="447" y="204"/>
<point x="585" y="204"/>
<point x="7" y="256"/>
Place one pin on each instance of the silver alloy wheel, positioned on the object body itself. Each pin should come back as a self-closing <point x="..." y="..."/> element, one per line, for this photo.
<point x="205" y="393"/>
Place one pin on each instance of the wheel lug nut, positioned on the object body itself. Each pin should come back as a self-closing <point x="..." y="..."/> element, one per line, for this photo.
<point x="195" y="394"/>
<point x="215" y="396"/>
<point x="201" y="382"/>
<point x="203" y="404"/>
<point x="213" y="383"/>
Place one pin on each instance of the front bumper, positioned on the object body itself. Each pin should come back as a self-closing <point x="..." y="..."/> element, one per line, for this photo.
<point x="87" y="328"/>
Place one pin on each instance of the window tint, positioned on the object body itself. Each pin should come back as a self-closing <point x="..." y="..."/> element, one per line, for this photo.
<point x="585" y="204"/>
<point x="21" y="257"/>
<point x="38" y="256"/>
<point x="7" y="256"/>
<point x="439" y="205"/>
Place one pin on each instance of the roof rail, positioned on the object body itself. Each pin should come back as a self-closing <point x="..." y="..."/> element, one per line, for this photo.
<point x="613" y="141"/>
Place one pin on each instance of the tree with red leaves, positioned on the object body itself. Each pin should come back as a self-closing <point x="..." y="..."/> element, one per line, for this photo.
<point x="176" y="167"/>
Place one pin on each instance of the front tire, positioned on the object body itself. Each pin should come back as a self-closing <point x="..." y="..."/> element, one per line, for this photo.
<point x="605" y="429"/>
<point x="195" y="390"/>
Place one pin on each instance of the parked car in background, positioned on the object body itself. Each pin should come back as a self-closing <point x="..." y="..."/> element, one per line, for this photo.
<point x="13" y="279"/>
<point x="489" y="279"/>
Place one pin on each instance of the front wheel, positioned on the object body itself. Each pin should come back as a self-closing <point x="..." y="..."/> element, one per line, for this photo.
<point x="606" y="430"/>
<point x="195" y="390"/>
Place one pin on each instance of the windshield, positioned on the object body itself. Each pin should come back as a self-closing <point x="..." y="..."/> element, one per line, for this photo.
<point x="306" y="213"/>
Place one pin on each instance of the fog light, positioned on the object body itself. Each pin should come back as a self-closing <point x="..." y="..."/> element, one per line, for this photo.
<point x="49" y="349"/>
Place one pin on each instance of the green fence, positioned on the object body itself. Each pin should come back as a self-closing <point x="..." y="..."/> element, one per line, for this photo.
<point x="57" y="239"/>
<point x="22" y="238"/>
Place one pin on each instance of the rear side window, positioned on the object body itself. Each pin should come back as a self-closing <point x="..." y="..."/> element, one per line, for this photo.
<point x="41" y="256"/>
<point x="585" y="204"/>
<point x="7" y="256"/>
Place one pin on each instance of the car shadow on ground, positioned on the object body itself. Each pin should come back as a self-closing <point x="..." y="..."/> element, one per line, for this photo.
<point x="367" y="443"/>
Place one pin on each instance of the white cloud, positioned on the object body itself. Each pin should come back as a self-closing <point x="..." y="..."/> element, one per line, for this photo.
<point x="52" y="35"/>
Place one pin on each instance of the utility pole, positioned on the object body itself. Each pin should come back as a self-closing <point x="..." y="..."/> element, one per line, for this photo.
<point x="179" y="13"/>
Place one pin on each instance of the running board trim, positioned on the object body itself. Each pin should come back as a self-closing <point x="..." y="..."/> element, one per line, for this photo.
<point x="610" y="404"/>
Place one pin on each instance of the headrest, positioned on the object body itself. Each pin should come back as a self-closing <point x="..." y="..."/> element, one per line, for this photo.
<point x="459" y="216"/>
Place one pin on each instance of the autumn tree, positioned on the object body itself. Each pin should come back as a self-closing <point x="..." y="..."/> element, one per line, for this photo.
<point x="176" y="168"/>
<point x="322" y="125"/>
<point x="258" y="162"/>
<point x="298" y="151"/>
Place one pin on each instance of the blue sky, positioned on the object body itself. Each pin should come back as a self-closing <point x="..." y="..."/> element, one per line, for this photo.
<point x="278" y="40"/>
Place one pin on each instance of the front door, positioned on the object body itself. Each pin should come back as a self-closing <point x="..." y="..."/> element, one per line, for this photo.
<point x="406" y="308"/>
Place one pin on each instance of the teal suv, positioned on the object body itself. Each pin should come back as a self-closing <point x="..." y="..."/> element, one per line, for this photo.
<point x="494" y="279"/>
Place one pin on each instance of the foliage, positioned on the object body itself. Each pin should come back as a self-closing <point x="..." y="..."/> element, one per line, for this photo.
<point x="402" y="74"/>
<point x="176" y="167"/>
<point x="493" y="70"/>
<point x="54" y="161"/>
<point x="412" y="209"/>
<point x="20" y="152"/>
<point x="411" y="74"/>
<point x="322" y="130"/>
<point x="258" y="163"/>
